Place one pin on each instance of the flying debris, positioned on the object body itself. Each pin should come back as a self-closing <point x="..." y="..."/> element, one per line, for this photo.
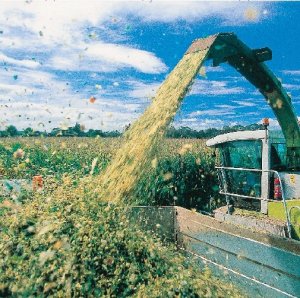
<point x="92" y="99"/>
<point x="251" y="14"/>
<point x="202" y="72"/>
<point x="92" y="35"/>
<point x="19" y="153"/>
<point x="79" y="115"/>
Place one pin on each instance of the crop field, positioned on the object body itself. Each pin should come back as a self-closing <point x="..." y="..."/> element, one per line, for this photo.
<point x="182" y="170"/>
<point x="73" y="237"/>
<point x="51" y="246"/>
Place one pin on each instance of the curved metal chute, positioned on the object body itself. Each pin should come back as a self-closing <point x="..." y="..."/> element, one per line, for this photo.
<point x="226" y="47"/>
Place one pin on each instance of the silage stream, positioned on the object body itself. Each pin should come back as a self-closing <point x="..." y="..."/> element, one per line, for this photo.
<point x="135" y="155"/>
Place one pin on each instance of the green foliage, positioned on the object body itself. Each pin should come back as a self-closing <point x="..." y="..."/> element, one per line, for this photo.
<point x="184" y="178"/>
<point x="12" y="131"/>
<point x="78" y="131"/>
<point x="61" y="243"/>
<point x="187" y="180"/>
<point x="50" y="157"/>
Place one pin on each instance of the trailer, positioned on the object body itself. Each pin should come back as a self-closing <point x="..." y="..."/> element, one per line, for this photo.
<point x="258" y="263"/>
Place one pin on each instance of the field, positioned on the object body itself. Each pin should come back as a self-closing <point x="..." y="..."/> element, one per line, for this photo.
<point x="59" y="242"/>
<point x="73" y="237"/>
<point x="182" y="170"/>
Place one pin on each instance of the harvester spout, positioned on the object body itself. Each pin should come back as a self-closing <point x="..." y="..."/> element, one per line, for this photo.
<point x="226" y="47"/>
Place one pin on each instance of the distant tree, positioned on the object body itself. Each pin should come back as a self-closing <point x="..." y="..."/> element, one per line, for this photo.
<point x="12" y="131"/>
<point x="212" y="132"/>
<point x="187" y="132"/>
<point x="4" y="133"/>
<point x="76" y="130"/>
<point x="254" y="126"/>
<point x="172" y="132"/>
<point x="28" y="132"/>
<point x="182" y="132"/>
<point x="112" y="134"/>
<point x="54" y="132"/>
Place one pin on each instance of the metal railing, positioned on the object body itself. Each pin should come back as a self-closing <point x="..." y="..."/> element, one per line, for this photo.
<point x="226" y="193"/>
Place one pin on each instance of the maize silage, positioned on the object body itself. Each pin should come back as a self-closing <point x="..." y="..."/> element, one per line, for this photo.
<point x="63" y="243"/>
<point x="136" y="153"/>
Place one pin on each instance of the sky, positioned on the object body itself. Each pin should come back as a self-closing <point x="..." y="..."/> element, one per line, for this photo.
<point x="57" y="55"/>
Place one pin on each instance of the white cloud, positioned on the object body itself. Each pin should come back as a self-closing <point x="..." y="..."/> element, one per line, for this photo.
<point x="231" y="13"/>
<point x="60" y="32"/>
<point x="22" y="62"/>
<point x="212" y="112"/>
<point x="224" y="106"/>
<point x="200" y="124"/>
<point x="143" y="90"/>
<point x="38" y="97"/>
<point x="33" y="85"/>
<point x="236" y="79"/>
<point x="291" y="86"/>
<point x="10" y="90"/>
<point x="292" y="72"/>
<point x="60" y="15"/>
<point x="47" y="25"/>
<point x="214" y="69"/>
<point x="105" y="57"/>
<point x="55" y="20"/>
<point x="125" y="56"/>
<point x="209" y="87"/>
<point x="243" y="103"/>
<point x="63" y="36"/>
<point x="106" y="114"/>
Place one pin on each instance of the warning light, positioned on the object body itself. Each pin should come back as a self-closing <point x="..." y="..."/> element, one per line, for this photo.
<point x="266" y="122"/>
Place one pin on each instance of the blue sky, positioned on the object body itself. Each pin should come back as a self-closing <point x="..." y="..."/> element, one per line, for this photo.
<point x="55" y="55"/>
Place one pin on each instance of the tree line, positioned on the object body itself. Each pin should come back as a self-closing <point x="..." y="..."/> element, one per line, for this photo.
<point x="77" y="131"/>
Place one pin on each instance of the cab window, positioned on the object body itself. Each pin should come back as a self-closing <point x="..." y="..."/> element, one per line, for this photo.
<point x="245" y="155"/>
<point x="242" y="154"/>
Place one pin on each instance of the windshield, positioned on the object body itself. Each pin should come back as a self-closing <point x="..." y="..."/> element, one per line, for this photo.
<point x="242" y="154"/>
<point x="246" y="155"/>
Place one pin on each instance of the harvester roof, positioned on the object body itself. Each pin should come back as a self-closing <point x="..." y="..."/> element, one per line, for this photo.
<point x="275" y="136"/>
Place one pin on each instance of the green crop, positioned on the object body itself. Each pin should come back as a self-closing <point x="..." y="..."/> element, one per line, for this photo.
<point x="60" y="243"/>
<point x="181" y="173"/>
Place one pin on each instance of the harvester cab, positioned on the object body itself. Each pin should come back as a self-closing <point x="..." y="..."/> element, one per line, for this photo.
<point x="260" y="170"/>
<point x="254" y="175"/>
